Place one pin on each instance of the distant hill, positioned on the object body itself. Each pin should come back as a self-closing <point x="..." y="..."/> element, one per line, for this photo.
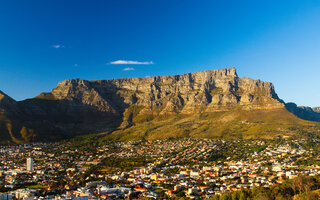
<point x="214" y="103"/>
<point x="304" y="112"/>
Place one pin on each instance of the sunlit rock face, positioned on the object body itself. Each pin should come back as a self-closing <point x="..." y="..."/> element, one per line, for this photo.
<point x="78" y="106"/>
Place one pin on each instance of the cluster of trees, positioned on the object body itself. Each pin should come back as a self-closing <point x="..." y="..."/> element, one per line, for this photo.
<point x="123" y="164"/>
<point x="86" y="142"/>
<point x="301" y="188"/>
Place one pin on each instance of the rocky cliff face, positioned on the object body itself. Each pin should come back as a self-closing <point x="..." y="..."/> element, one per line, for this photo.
<point x="316" y="109"/>
<point x="78" y="106"/>
<point x="209" y="90"/>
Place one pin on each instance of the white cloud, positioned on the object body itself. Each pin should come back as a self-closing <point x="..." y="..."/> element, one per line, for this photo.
<point x="128" y="69"/>
<point x="130" y="62"/>
<point x="57" y="46"/>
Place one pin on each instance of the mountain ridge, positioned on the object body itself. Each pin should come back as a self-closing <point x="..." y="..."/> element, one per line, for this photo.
<point x="78" y="106"/>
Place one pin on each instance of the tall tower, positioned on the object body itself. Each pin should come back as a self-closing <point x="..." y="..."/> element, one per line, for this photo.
<point x="29" y="164"/>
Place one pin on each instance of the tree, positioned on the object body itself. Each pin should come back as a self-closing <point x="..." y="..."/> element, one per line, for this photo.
<point x="134" y="195"/>
<point x="235" y="196"/>
<point x="263" y="198"/>
<point x="302" y="184"/>
<point x="243" y="196"/>
<point x="216" y="197"/>
<point x="311" y="196"/>
<point x="226" y="196"/>
<point x="254" y="191"/>
<point x="280" y="197"/>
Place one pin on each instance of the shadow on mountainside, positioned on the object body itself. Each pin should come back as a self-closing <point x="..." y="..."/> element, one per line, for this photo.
<point x="93" y="109"/>
<point x="51" y="120"/>
<point x="305" y="113"/>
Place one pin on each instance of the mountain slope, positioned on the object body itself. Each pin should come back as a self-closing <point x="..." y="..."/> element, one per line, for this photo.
<point x="11" y="128"/>
<point x="211" y="103"/>
<point x="232" y="124"/>
<point x="304" y="112"/>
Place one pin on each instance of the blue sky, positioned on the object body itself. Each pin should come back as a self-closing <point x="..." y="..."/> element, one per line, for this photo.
<point x="46" y="41"/>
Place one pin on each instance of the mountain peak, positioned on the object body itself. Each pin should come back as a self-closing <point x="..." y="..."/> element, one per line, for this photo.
<point x="220" y="72"/>
<point x="2" y="95"/>
<point x="5" y="97"/>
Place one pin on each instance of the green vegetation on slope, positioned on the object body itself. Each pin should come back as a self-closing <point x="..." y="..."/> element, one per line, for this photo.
<point x="300" y="188"/>
<point x="233" y="124"/>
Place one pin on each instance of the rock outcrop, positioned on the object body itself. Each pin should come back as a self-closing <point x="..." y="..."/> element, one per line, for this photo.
<point x="316" y="109"/>
<point x="79" y="106"/>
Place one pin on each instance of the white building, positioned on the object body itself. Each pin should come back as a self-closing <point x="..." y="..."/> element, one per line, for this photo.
<point x="25" y="193"/>
<point x="29" y="164"/>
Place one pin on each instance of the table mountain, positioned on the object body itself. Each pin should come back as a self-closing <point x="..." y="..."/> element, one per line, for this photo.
<point x="144" y="107"/>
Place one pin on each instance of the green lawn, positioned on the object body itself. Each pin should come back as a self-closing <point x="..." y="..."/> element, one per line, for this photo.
<point x="37" y="186"/>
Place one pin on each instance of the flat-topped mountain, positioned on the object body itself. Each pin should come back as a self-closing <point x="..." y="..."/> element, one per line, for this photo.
<point x="207" y="90"/>
<point x="143" y="107"/>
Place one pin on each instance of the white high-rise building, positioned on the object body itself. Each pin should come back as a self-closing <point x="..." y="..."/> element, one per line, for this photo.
<point x="29" y="164"/>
